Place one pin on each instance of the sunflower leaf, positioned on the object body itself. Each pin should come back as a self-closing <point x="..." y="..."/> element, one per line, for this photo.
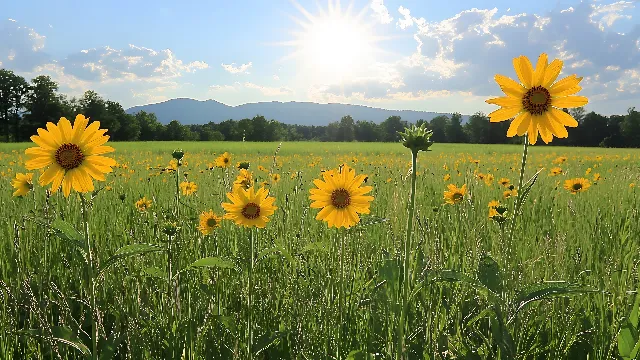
<point x="60" y="334"/>
<point x="66" y="232"/>
<point x="210" y="262"/>
<point x="128" y="251"/>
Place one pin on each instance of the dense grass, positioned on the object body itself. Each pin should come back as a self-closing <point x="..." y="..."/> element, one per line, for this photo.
<point x="590" y="240"/>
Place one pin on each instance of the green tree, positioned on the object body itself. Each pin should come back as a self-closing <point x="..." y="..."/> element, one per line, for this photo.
<point x="439" y="125"/>
<point x="477" y="128"/>
<point x="43" y="104"/>
<point x="455" y="132"/>
<point x="390" y="128"/>
<point x="346" y="131"/>
<point x="150" y="127"/>
<point x="367" y="131"/>
<point x="630" y="128"/>
<point x="13" y="94"/>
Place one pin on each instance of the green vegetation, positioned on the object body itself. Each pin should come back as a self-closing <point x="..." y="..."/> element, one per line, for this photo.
<point x="564" y="288"/>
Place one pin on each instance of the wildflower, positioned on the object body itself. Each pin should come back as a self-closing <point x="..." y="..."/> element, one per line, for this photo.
<point x="493" y="205"/>
<point x="560" y="159"/>
<point x="555" y="171"/>
<point x="142" y="205"/>
<point x="188" y="187"/>
<point x="632" y="185"/>
<point x="588" y="171"/>
<point x="596" y="177"/>
<point x="504" y="182"/>
<point x="223" y="161"/>
<point x="275" y="178"/>
<point x="261" y="168"/>
<point x="577" y="185"/>
<point x="108" y="188"/>
<point x="488" y="179"/>
<point x="71" y="155"/>
<point x="447" y="177"/>
<point x="209" y="221"/>
<point x="341" y="197"/>
<point x="249" y="207"/>
<point x="510" y="193"/>
<point x="23" y="183"/>
<point x="455" y="195"/>
<point x="244" y="179"/>
<point x="536" y="103"/>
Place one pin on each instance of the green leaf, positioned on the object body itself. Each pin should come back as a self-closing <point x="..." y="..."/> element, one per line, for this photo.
<point x="527" y="189"/>
<point x="155" y="272"/>
<point x="59" y="334"/>
<point x="356" y="355"/>
<point x="210" y="262"/>
<point x="108" y="347"/>
<point x="627" y="339"/>
<point x="66" y="232"/>
<point x="633" y="318"/>
<point x="267" y="340"/>
<point x="128" y="251"/>
<point x="546" y="291"/>
<point x="315" y="246"/>
<point x="489" y="274"/>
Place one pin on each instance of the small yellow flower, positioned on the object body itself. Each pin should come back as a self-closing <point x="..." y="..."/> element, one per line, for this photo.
<point x="447" y="177"/>
<point x="143" y="204"/>
<point x="596" y="177"/>
<point x="249" y="207"/>
<point x="555" y="171"/>
<point x="559" y="160"/>
<point x="244" y="179"/>
<point x="275" y="178"/>
<point x="488" y="179"/>
<point x="588" y="171"/>
<point x="504" y="182"/>
<point x="510" y="193"/>
<point x="493" y="205"/>
<point x="577" y="185"/>
<point x="455" y="195"/>
<point x="23" y="183"/>
<point x="209" y="221"/>
<point x="188" y="187"/>
<point x="261" y="168"/>
<point x="223" y="161"/>
<point x="632" y="185"/>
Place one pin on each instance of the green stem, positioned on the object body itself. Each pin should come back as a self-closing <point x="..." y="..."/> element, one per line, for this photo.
<point x="518" y="204"/>
<point x="91" y="291"/>
<point x="407" y="256"/>
<point x="341" y="299"/>
<point x="249" y="299"/>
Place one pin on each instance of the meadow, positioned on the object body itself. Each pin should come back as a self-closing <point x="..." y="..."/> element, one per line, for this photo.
<point x="563" y="287"/>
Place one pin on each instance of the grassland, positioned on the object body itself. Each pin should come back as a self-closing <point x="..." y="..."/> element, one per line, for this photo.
<point x="585" y="246"/>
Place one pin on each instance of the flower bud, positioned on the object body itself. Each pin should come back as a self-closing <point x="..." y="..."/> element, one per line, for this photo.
<point x="417" y="138"/>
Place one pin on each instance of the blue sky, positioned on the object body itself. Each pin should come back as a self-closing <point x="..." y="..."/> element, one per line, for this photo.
<point x="396" y="54"/>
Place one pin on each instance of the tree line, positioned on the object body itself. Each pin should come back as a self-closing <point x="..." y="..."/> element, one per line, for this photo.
<point x="27" y="106"/>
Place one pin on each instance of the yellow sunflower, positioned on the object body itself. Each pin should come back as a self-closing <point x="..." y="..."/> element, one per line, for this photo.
<point x="488" y="179"/>
<point x="504" y="182"/>
<point x="71" y="155"/>
<point x="275" y="178"/>
<point x="447" y="177"/>
<point x="536" y="103"/>
<point x="493" y="206"/>
<point x="23" y="183"/>
<point x="341" y="197"/>
<point x="510" y="193"/>
<point x="188" y="187"/>
<point x="560" y="160"/>
<point x="555" y="171"/>
<point x="209" y="221"/>
<point x="143" y="204"/>
<point x="596" y="177"/>
<point x="455" y="195"/>
<point x="224" y="160"/>
<point x="249" y="207"/>
<point x="244" y="179"/>
<point x="576" y="185"/>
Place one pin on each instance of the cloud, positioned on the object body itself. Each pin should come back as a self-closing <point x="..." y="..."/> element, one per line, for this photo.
<point x="264" y="90"/>
<point x="133" y="63"/>
<point x="276" y="77"/>
<point x="380" y="12"/>
<point x="237" y="69"/>
<point x="21" y="47"/>
<point x="407" y="20"/>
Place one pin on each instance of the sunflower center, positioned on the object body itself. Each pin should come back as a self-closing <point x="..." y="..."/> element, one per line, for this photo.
<point x="226" y="160"/>
<point x="251" y="211"/>
<point x="69" y="156"/>
<point x="577" y="187"/>
<point x="211" y="222"/>
<point x="458" y="196"/>
<point x="536" y="100"/>
<point x="340" y="198"/>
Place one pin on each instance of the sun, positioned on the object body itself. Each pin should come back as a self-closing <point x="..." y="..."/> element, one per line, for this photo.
<point x="334" y="44"/>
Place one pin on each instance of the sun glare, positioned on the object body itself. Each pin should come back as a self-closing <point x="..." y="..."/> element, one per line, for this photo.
<point x="333" y="45"/>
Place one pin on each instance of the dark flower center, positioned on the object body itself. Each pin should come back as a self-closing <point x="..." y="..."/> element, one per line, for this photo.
<point x="577" y="186"/>
<point x="536" y="100"/>
<point x="251" y="211"/>
<point x="211" y="222"/>
<point x="69" y="156"/>
<point x="457" y="197"/>
<point x="340" y="198"/>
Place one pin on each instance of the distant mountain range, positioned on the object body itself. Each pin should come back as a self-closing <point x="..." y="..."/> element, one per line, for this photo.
<point x="189" y="111"/>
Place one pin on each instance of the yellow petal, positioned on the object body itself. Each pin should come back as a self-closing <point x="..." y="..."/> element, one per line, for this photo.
<point x="524" y="70"/>
<point x="509" y="86"/>
<point x="505" y="101"/>
<point x="541" y="67"/>
<point x="563" y="118"/>
<point x="568" y="92"/>
<point x="79" y="125"/>
<point x="66" y="130"/>
<point x="49" y="175"/>
<point x="38" y="163"/>
<point x="564" y="84"/>
<point x="558" y="129"/>
<point x="503" y="114"/>
<point x="552" y="72"/>
<point x="66" y="185"/>
<point x="569" y="101"/>
<point x="545" y="133"/>
<point x="513" y="128"/>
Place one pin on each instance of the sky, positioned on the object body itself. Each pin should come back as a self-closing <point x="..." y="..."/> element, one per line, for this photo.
<point x="426" y="55"/>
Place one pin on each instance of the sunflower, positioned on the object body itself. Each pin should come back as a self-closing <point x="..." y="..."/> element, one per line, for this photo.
<point x="510" y="193"/>
<point x="275" y="178"/>
<point x="23" y="183"/>
<point x="588" y="171"/>
<point x="188" y="187"/>
<point x="488" y="179"/>
<point x="244" y="179"/>
<point x="455" y="195"/>
<point x="504" y="182"/>
<point x="493" y="206"/>
<point x="576" y="185"/>
<point x="224" y="160"/>
<point x="536" y="103"/>
<point x="209" y="221"/>
<point x="447" y="177"/>
<point x="71" y="155"/>
<point x="261" y="168"/>
<point x="596" y="177"/>
<point x="143" y="204"/>
<point x="560" y="159"/>
<point x="341" y="197"/>
<point x="555" y="171"/>
<point x="249" y="207"/>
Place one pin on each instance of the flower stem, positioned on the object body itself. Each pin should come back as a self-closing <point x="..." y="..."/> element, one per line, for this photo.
<point x="518" y="204"/>
<point x="407" y="255"/>
<point x="341" y="300"/>
<point x="249" y="298"/>
<point x="91" y="290"/>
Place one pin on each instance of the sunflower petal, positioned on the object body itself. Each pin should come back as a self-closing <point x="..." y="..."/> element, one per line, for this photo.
<point x="552" y="72"/>
<point x="524" y="70"/>
<point x="565" y="83"/>
<point x="505" y="101"/>
<point x="563" y="118"/>
<point x="569" y="101"/>
<point x="504" y="113"/>
<point x="513" y="127"/>
<point x="510" y="86"/>
<point x="541" y="67"/>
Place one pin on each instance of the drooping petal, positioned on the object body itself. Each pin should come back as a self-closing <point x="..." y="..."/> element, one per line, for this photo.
<point x="510" y="86"/>
<point x="513" y="127"/>
<point x="569" y="101"/>
<point x="503" y="114"/>
<point x="563" y="118"/>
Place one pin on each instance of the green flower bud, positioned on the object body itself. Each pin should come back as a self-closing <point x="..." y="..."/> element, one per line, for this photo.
<point x="243" y="165"/>
<point x="417" y="138"/>
<point x="170" y="229"/>
<point x="177" y="154"/>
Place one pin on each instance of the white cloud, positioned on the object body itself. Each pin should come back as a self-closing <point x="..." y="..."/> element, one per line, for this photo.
<point x="407" y="21"/>
<point x="269" y="91"/>
<point x="233" y="69"/>
<point x="11" y="20"/>
<point x="380" y="12"/>
<point x="21" y="46"/>
<point x="610" y="13"/>
<point x="276" y="77"/>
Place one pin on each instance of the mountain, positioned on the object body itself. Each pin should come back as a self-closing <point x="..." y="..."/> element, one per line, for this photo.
<point x="189" y="111"/>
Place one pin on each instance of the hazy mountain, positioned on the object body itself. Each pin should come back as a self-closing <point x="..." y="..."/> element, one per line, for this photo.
<point x="189" y="111"/>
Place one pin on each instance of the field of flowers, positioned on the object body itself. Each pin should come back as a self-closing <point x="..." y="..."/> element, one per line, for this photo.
<point x="171" y="279"/>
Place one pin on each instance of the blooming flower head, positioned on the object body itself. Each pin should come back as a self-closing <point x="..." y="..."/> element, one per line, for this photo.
<point x="536" y="102"/>
<point x="510" y="193"/>
<point x="504" y="182"/>
<point x="209" y="221"/>
<point x="244" y="179"/>
<point x="577" y="185"/>
<point x="454" y="194"/>
<point x="493" y="206"/>
<point x="224" y="160"/>
<point x="560" y="159"/>
<point x="555" y="171"/>
<point x="341" y="197"/>
<point x="188" y="187"/>
<point x="71" y="155"/>
<point x="143" y="204"/>
<point x="275" y="178"/>
<point x="249" y="208"/>
<point x="23" y="183"/>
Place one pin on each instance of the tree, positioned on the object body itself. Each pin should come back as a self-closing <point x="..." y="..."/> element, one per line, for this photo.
<point x="367" y="131"/>
<point x="13" y="95"/>
<point x="391" y="127"/>
<point x="477" y="128"/>
<point x="346" y="131"/>
<point x="150" y="127"/>
<point x="630" y="128"/>
<point x="438" y="125"/>
<point x="592" y="129"/>
<point x="43" y="104"/>
<point x="455" y="132"/>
